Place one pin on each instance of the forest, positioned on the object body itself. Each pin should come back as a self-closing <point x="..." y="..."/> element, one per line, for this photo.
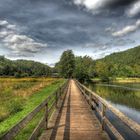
<point x="22" y="68"/>
<point x="121" y="64"/>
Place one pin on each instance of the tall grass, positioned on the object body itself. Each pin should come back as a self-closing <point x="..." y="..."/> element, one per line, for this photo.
<point x="19" y="96"/>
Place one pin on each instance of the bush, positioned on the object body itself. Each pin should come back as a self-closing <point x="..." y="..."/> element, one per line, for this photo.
<point x="105" y="79"/>
<point x="24" y="75"/>
<point x="17" y="75"/>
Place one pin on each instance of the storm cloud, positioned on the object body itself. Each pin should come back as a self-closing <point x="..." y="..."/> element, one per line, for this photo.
<point x="42" y="29"/>
<point x="97" y="6"/>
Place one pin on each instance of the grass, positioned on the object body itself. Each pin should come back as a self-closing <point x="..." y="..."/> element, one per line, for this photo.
<point x="15" y="92"/>
<point x="120" y="80"/>
<point x="127" y="80"/>
<point x="27" y="131"/>
<point x="28" y="102"/>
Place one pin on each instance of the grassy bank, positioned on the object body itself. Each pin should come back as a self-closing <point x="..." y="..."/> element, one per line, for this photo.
<point x="34" y="94"/>
<point x="127" y="80"/>
<point x="120" y="80"/>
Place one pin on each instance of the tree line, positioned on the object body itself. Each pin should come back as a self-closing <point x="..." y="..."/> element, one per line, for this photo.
<point x="23" y="68"/>
<point x="122" y="64"/>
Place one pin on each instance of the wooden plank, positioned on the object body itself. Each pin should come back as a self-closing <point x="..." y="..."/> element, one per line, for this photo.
<point x="52" y="106"/>
<point x="46" y="118"/>
<point x="128" y="121"/>
<point x="113" y="130"/>
<point x="75" y="120"/>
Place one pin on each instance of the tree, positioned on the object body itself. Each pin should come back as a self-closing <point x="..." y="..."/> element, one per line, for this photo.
<point x="66" y="64"/>
<point x="84" y="68"/>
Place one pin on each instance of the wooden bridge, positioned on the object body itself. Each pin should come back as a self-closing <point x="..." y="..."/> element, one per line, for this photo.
<point x="76" y="113"/>
<point x="75" y="119"/>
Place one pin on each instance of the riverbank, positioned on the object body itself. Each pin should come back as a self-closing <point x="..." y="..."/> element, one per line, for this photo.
<point x="127" y="80"/>
<point x="120" y="80"/>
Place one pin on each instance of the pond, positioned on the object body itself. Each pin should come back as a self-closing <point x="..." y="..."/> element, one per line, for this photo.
<point x="125" y="97"/>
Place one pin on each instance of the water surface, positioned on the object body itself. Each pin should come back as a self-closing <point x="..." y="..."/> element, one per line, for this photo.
<point x="125" y="97"/>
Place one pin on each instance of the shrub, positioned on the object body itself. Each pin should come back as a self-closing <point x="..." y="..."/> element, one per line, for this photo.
<point x="17" y="75"/>
<point x="24" y="75"/>
<point x="105" y="79"/>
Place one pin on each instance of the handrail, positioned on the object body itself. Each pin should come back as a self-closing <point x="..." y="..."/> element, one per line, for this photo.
<point x="93" y="98"/>
<point x="10" y="134"/>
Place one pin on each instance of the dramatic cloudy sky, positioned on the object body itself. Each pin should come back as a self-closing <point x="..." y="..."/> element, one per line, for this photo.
<point x="42" y="29"/>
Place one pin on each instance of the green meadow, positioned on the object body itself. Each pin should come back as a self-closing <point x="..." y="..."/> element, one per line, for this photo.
<point x="18" y="97"/>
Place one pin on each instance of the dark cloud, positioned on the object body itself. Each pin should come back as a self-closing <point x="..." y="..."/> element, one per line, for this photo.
<point x="119" y="3"/>
<point x="51" y="26"/>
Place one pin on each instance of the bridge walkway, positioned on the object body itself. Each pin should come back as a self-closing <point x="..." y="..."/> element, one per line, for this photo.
<point x="74" y="120"/>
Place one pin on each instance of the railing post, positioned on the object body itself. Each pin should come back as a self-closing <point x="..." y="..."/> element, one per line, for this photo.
<point x="56" y="99"/>
<point x="46" y="116"/>
<point x="90" y="99"/>
<point x="84" y="91"/>
<point x="103" y="116"/>
<point x="60" y="92"/>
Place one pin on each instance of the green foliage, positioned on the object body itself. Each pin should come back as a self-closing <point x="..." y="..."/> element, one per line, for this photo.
<point x="84" y="68"/>
<point x="20" y="108"/>
<point x="122" y="64"/>
<point x="16" y="105"/>
<point x="17" y="75"/>
<point x="81" y="68"/>
<point x="23" y="68"/>
<point x="66" y="64"/>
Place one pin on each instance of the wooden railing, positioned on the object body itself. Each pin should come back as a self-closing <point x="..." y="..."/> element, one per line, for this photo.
<point x="95" y="101"/>
<point x="49" y="108"/>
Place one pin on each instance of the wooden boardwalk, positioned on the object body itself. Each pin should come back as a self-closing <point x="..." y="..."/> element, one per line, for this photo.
<point x="74" y="120"/>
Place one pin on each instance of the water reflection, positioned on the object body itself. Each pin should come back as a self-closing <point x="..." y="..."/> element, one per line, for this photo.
<point x="126" y="97"/>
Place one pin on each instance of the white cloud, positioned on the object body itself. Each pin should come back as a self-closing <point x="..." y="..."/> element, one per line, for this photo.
<point x="134" y="9"/>
<point x="20" y="45"/>
<point x="127" y="29"/>
<point x="92" y="5"/>
<point x="3" y="23"/>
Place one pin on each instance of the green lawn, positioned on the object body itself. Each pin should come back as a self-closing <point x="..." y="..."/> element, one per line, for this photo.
<point x="31" y="103"/>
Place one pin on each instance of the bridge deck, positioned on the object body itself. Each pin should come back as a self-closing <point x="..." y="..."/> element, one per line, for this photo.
<point x="74" y="120"/>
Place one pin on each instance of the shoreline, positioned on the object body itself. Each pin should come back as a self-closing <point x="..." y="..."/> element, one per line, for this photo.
<point x="127" y="80"/>
<point x="120" y="80"/>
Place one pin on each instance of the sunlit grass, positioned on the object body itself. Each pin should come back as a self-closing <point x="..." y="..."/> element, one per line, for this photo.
<point x="15" y="92"/>
<point x="18" y="97"/>
<point x="127" y="80"/>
